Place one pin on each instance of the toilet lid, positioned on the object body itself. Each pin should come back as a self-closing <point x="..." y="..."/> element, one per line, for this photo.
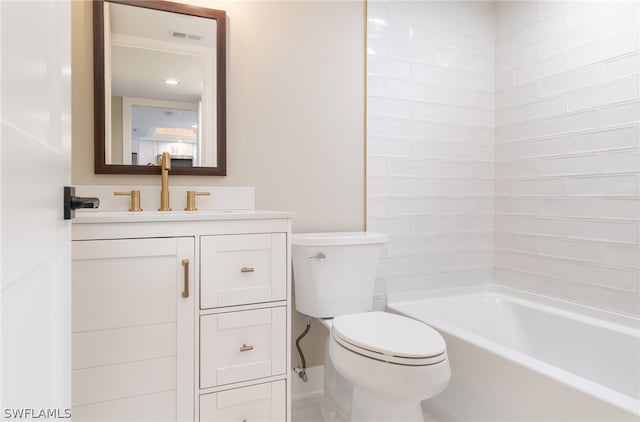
<point x="390" y="337"/>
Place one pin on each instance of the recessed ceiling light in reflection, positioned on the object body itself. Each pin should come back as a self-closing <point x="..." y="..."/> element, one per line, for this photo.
<point x="171" y="81"/>
<point x="377" y="21"/>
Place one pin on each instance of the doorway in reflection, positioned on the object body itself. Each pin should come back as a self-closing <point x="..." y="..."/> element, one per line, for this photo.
<point x="155" y="130"/>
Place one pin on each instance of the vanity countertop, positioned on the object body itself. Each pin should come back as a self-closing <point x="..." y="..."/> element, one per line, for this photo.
<point x="93" y="217"/>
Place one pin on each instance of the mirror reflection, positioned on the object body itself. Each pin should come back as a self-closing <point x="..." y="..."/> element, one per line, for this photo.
<point x="161" y="86"/>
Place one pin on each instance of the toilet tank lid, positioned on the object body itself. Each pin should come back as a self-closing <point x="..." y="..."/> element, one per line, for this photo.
<point x="337" y="238"/>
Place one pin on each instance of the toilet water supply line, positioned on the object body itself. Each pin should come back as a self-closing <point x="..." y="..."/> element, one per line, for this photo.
<point x="302" y="371"/>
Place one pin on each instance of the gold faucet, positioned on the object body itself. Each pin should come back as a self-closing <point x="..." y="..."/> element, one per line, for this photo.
<point x="164" y="193"/>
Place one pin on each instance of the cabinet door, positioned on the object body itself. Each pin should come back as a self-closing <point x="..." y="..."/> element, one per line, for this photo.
<point x="133" y="329"/>
<point x="241" y="269"/>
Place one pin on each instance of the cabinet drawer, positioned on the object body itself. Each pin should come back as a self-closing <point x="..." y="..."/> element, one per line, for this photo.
<point x="242" y="269"/>
<point x="241" y="346"/>
<point x="262" y="402"/>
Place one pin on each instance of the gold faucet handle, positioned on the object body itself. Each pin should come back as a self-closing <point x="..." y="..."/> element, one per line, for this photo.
<point x="135" y="199"/>
<point x="191" y="199"/>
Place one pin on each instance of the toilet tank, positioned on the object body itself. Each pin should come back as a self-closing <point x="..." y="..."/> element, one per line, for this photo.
<point x="334" y="273"/>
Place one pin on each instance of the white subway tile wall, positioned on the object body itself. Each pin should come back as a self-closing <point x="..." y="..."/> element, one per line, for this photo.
<point x="504" y="146"/>
<point x="430" y="142"/>
<point x="567" y="163"/>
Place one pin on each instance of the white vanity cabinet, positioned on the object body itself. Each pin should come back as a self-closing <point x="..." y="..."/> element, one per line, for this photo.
<point x="186" y="319"/>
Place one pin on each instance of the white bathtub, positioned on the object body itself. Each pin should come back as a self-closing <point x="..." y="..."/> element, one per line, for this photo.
<point x="517" y="356"/>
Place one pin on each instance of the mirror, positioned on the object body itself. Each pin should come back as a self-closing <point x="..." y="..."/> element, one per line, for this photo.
<point x="159" y="85"/>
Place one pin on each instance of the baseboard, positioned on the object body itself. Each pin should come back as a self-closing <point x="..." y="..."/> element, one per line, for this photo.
<point x="312" y="388"/>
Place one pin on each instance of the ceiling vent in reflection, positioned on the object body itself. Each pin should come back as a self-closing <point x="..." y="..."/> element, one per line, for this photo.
<point x="185" y="36"/>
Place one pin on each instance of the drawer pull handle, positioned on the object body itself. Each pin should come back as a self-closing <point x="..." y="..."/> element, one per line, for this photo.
<point x="246" y="348"/>
<point x="185" y="291"/>
<point x="247" y="270"/>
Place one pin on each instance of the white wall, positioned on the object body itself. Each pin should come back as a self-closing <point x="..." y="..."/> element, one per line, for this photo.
<point x="567" y="161"/>
<point x="430" y="142"/>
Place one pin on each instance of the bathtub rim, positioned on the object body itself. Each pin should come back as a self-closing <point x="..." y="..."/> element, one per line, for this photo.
<point x="616" y="322"/>
<point x="585" y="313"/>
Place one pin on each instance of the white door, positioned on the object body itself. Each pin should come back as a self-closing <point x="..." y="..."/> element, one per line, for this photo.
<point x="35" y="155"/>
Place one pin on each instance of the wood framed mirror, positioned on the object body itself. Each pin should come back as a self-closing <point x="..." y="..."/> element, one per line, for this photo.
<point x="159" y="85"/>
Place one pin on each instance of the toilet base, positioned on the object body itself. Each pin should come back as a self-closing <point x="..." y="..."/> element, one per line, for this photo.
<point x="367" y="406"/>
<point x="338" y="391"/>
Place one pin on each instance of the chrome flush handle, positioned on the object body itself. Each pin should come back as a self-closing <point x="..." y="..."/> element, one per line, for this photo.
<point x="320" y="256"/>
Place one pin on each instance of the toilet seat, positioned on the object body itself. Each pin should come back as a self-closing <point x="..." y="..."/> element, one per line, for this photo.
<point x="389" y="338"/>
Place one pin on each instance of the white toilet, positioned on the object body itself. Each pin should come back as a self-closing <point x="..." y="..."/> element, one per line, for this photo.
<point x="393" y="362"/>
